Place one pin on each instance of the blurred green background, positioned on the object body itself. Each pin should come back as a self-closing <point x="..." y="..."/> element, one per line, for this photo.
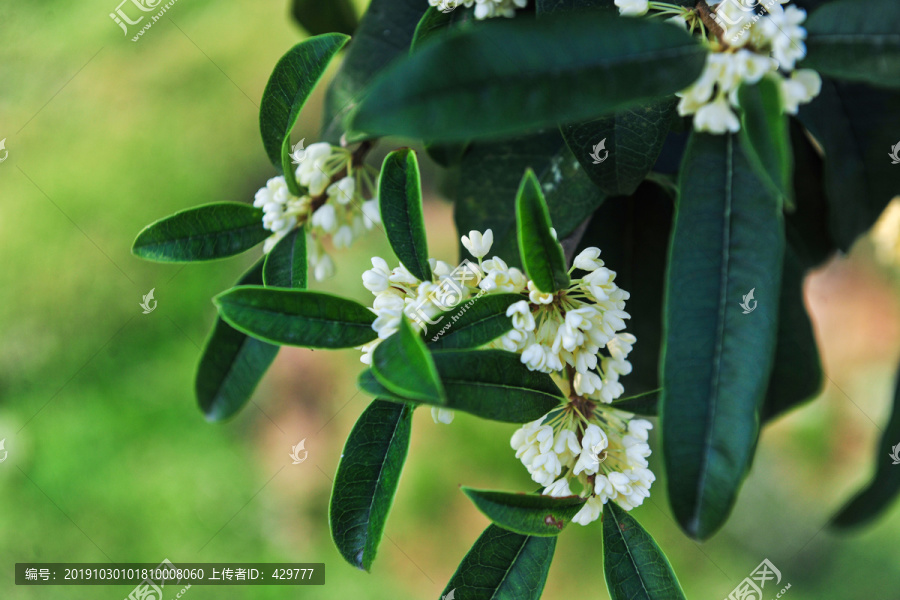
<point x="109" y="457"/>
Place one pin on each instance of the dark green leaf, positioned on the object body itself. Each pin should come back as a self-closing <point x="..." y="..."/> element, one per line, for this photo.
<point x="473" y="324"/>
<point x="797" y="371"/>
<point x="503" y="565"/>
<point x="631" y="139"/>
<point x="646" y="404"/>
<point x="489" y="179"/>
<point x="857" y="127"/>
<point x="513" y="83"/>
<point x="402" y="364"/>
<point x="293" y="80"/>
<point x="545" y="7"/>
<point x="370" y="385"/>
<point x="635" y="567"/>
<point x="318" y="17"/>
<point x="856" y="41"/>
<point x="765" y="135"/>
<point x="728" y="240"/>
<point x="384" y="33"/>
<point x="491" y="384"/>
<point x="541" y="254"/>
<point x="297" y="317"/>
<point x="885" y="485"/>
<point x="400" y="199"/>
<point x="203" y="233"/>
<point x="286" y="265"/>
<point x="633" y="236"/>
<point x="435" y="23"/>
<point x="231" y="364"/>
<point x="528" y="514"/>
<point x="366" y="480"/>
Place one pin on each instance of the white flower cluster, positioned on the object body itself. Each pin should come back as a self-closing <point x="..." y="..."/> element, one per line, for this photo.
<point x="484" y="9"/>
<point x="746" y="43"/>
<point x="601" y="449"/>
<point x="339" y="201"/>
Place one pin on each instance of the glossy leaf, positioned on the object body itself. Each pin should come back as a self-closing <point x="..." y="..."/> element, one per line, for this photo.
<point x="528" y="514"/>
<point x="400" y="199"/>
<point x="403" y="365"/>
<point x="503" y="565"/>
<point x="491" y="384"/>
<point x="384" y="33"/>
<point x="317" y="17"/>
<point x="797" y="372"/>
<point x="856" y="42"/>
<point x="634" y="565"/>
<point x="631" y="142"/>
<point x="297" y="317"/>
<point x="489" y="179"/>
<point x="766" y="138"/>
<point x="541" y="254"/>
<point x="203" y="233"/>
<point x="646" y="404"/>
<point x="728" y="239"/>
<point x="881" y="492"/>
<point x="857" y="128"/>
<point x="293" y="80"/>
<point x="286" y="264"/>
<point x="231" y="365"/>
<point x="473" y="323"/>
<point x="366" y="480"/>
<point x="435" y="23"/>
<point x="512" y="81"/>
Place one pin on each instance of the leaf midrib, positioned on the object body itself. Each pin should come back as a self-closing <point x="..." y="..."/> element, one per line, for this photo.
<point x="512" y="563"/>
<point x="631" y="557"/>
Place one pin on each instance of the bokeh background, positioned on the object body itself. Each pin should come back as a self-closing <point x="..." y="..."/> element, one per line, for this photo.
<point x="109" y="457"/>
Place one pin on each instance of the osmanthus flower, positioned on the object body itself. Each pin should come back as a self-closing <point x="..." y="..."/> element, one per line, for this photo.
<point x="745" y="43"/>
<point x="339" y="201"/>
<point x="484" y="9"/>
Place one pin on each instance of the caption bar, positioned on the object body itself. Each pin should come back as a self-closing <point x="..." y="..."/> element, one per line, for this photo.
<point x="170" y="574"/>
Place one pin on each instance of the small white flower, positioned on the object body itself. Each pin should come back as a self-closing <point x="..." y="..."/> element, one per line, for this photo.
<point x="717" y="117"/>
<point x="558" y="489"/>
<point x="343" y="237"/>
<point x="478" y="244"/>
<point x="522" y="318"/>
<point x="325" y="218"/>
<point x="588" y="259"/>
<point x="342" y="191"/>
<point x="324" y="268"/>
<point x="633" y="8"/>
<point x="537" y="296"/>
<point x="377" y="279"/>
<point x="590" y="512"/>
<point x="442" y="415"/>
<point x="803" y="86"/>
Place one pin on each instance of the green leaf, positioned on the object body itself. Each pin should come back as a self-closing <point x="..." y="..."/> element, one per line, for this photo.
<point x="402" y="364"/>
<point x="400" y="200"/>
<point x="367" y="479"/>
<point x="475" y="323"/>
<point x="231" y="365"/>
<point x="797" y="372"/>
<point x="286" y="265"/>
<point x="491" y="384"/>
<point x="871" y="501"/>
<point x="296" y="317"/>
<point x="856" y="41"/>
<point x="513" y="81"/>
<point x="632" y="140"/>
<point x="646" y="404"/>
<point x="633" y="236"/>
<point x="765" y="135"/>
<point x="728" y="239"/>
<point x="634" y="565"/>
<point x="203" y="233"/>
<point x="318" y="17"/>
<point x="541" y="254"/>
<point x="435" y="23"/>
<point x="503" y="565"/>
<point x="489" y="179"/>
<point x="545" y="7"/>
<point x="528" y="514"/>
<point x="384" y="33"/>
<point x="293" y="80"/>
<point x="857" y="127"/>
